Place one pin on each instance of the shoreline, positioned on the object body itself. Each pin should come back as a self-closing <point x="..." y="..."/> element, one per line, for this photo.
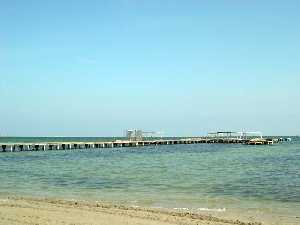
<point x="34" y="211"/>
<point x="209" y="184"/>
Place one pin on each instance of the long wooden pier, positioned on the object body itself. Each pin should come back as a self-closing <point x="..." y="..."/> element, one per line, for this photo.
<point x="18" y="147"/>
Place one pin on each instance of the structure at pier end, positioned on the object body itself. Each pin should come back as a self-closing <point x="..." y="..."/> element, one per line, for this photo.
<point x="139" y="135"/>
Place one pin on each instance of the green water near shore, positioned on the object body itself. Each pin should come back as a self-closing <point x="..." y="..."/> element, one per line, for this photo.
<point x="217" y="177"/>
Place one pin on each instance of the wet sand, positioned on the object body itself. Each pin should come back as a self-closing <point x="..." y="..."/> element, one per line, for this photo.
<point x="27" y="211"/>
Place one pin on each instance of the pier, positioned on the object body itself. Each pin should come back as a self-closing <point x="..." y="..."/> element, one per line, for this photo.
<point x="48" y="146"/>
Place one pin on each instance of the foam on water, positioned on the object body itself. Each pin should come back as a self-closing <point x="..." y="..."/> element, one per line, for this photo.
<point x="201" y="209"/>
<point x="212" y="210"/>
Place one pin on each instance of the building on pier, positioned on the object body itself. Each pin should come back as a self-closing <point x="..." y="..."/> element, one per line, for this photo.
<point x="242" y="135"/>
<point x="139" y="135"/>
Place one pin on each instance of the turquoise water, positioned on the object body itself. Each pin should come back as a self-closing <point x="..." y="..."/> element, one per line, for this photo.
<point x="231" y="178"/>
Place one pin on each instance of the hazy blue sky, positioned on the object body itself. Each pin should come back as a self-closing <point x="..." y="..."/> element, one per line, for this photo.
<point x="95" y="68"/>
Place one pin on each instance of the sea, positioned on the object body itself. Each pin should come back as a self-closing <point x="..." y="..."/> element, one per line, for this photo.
<point x="254" y="183"/>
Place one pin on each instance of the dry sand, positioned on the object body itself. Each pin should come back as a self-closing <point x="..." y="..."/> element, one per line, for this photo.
<point x="26" y="211"/>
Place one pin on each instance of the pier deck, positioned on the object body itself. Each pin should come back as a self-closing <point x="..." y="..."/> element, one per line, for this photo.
<point x="16" y="147"/>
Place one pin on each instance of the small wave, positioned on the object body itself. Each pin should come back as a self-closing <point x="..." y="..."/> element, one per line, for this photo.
<point x="212" y="210"/>
<point x="181" y="208"/>
<point x="202" y="209"/>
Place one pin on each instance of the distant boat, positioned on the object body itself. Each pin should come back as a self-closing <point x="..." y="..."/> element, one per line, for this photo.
<point x="259" y="141"/>
<point x="284" y="139"/>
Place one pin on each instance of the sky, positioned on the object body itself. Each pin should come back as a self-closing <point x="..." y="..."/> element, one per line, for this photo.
<point x="96" y="68"/>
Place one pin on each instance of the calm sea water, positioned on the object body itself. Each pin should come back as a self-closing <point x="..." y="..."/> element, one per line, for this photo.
<point x="231" y="178"/>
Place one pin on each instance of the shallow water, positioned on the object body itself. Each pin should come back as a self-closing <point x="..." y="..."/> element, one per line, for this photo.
<point x="258" y="180"/>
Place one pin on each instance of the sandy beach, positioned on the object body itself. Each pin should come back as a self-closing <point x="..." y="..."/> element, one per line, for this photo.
<point x="25" y="211"/>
